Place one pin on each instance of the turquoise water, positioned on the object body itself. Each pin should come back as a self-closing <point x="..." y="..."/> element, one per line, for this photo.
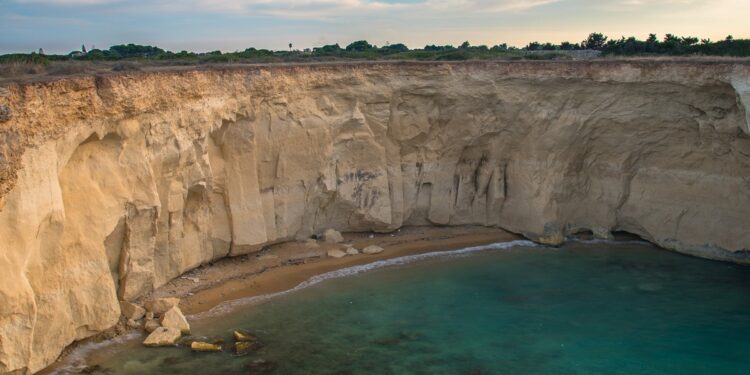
<point x="596" y="308"/>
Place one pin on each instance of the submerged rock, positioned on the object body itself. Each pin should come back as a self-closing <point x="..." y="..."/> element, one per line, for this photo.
<point x="162" y="336"/>
<point x="244" y="336"/>
<point x="245" y="347"/>
<point x="174" y="319"/>
<point x="332" y="236"/>
<point x="336" y="254"/>
<point x="199" y="346"/>
<point x="372" y="249"/>
<point x="261" y="365"/>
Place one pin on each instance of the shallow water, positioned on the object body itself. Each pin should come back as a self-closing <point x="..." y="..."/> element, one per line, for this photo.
<point x="585" y="308"/>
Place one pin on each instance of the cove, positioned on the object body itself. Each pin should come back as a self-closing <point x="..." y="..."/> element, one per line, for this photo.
<point x="586" y="307"/>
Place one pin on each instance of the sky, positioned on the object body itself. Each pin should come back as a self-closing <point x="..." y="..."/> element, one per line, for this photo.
<point x="60" y="26"/>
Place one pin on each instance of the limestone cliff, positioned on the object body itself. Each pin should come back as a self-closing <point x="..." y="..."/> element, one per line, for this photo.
<point x="111" y="186"/>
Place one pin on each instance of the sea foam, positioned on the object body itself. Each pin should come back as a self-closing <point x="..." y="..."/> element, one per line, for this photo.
<point x="228" y="306"/>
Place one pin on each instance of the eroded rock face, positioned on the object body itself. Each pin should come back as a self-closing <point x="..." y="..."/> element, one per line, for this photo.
<point x="127" y="181"/>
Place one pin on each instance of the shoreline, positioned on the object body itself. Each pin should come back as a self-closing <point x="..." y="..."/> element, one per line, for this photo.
<point x="282" y="267"/>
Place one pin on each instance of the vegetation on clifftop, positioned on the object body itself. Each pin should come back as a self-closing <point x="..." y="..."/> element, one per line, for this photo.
<point x="130" y="56"/>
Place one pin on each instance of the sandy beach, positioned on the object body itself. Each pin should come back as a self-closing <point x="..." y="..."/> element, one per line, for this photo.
<point x="283" y="266"/>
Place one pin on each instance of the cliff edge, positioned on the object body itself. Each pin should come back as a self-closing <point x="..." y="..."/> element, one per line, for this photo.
<point x="111" y="186"/>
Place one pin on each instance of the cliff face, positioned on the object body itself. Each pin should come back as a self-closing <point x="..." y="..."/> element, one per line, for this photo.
<point x="112" y="186"/>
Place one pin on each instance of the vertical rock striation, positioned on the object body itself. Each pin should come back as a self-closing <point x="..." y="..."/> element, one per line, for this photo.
<point x="112" y="186"/>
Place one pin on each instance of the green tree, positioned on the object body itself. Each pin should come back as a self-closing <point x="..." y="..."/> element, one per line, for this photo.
<point x="533" y="46"/>
<point x="500" y="47"/>
<point x="359" y="46"/>
<point x="688" y="40"/>
<point x="330" y="49"/>
<point x="594" y="41"/>
<point x="567" y="46"/>
<point x="395" y="48"/>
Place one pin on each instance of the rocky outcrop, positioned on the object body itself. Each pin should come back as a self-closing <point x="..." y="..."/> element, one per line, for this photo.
<point x="111" y="186"/>
<point x="162" y="336"/>
<point x="174" y="319"/>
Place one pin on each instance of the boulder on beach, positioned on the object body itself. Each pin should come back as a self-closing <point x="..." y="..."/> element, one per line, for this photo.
<point x="174" y="319"/>
<point x="372" y="249"/>
<point x="131" y="310"/>
<point x="162" y="336"/>
<point x="336" y="254"/>
<point x="199" y="346"/>
<point x="352" y="250"/>
<point x="332" y="236"/>
<point x="160" y="306"/>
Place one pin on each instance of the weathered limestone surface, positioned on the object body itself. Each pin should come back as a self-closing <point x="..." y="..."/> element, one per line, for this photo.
<point x="111" y="186"/>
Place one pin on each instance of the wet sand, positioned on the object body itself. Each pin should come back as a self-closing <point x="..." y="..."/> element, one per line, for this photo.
<point x="283" y="266"/>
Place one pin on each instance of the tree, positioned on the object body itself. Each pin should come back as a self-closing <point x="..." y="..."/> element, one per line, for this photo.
<point x="594" y="41"/>
<point x="290" y="47"/>
<point x="435" y="48"/>
<point x="83" y="48"/>
<point x="395" y="48"/>
<point x="652" y="39"/>
<point x="359" y="46"/>
<point x="500" y="47"/>
<point x="533" y="46"/>
<point x="464" y="45"/>
<point x="689" y="40"/>
<point x="329" y="49"/>
<point x="134" y="50"/>
<point x="671" y="38"/>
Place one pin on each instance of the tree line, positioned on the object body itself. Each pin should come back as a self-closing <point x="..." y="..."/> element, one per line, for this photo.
<point x="668" y="45"/>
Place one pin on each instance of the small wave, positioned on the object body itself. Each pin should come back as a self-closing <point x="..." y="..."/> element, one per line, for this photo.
<point x="75" y="361"/>
<point x="227" y="306"/>
<point x="597" y="241"/>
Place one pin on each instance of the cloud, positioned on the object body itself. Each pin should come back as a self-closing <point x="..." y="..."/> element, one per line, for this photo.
<point x="67" y="2"/>
<point x="43" y="21"/>
<point x="306" y="8"/>
<point x="489" y="5"/>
